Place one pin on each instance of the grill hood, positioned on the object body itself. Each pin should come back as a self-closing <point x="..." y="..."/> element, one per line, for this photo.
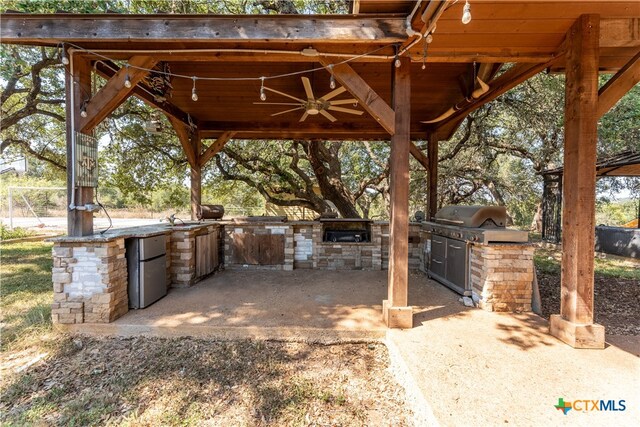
<point x="473" y="216"/>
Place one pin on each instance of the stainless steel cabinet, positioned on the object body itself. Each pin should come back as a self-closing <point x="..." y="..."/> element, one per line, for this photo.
<point x="448" y="263"/>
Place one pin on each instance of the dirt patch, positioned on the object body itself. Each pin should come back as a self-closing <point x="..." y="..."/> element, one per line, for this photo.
<point x="145" y="381"/>
<point x="616" y="300"/>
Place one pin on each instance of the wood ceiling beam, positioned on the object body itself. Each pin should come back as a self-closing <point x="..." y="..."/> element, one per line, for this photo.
<point x="114" y="92"/>
<point x="503" y="83"/>
<point x="618" y="85"/>
<point x="78" y="28"/>
<point x="215" y="147"/>
<point x="419" y="155"/>
<point x="184" y="136"/>
<point x="366" y="96"/>
<point x="106" y="70"/>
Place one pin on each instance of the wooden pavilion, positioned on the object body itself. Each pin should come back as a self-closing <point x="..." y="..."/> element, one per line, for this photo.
<point x="376" y="53"/>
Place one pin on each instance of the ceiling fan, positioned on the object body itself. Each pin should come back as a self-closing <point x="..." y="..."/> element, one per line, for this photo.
<point x="313" y="106"/>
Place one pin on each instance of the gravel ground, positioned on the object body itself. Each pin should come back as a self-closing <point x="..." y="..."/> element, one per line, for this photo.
<point x="617" y="302"/>
<point x="147" y="381"/>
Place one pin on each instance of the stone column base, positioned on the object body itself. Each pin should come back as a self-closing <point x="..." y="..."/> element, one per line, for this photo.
<point x="577" y="335"/>
<point x="397" y="317"/>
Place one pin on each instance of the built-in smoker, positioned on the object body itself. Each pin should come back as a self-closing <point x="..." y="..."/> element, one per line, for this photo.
<point x="454" y="230"/>
<point x="147" y="270"/>
<point x="346" y="230"/>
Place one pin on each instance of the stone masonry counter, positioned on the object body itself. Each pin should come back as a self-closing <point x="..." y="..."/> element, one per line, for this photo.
<point x="502" y="276"/>
<point x="90" y="273"/>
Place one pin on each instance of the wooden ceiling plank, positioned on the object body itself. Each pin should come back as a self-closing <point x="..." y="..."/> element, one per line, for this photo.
<point x="215" y="147"/>
<point x="618" y="85"/>
<point x="366" y="96"/>
<point x="114" y="92"/>
<point x="623" y="32"/>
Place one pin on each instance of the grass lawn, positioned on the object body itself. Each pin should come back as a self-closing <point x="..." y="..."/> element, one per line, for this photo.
<point x="49" y="378"/>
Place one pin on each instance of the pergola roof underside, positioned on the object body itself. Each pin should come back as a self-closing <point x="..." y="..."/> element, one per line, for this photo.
<point x="500" y="32"/>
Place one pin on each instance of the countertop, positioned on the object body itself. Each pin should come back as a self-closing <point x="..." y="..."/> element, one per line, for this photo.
<point x="141" y="231"/>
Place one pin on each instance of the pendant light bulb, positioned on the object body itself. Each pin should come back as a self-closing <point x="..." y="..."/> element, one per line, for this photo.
<point x="194" y="94"/>
<point x="332" y="82"/>
<point x="127" y="79"/>
<point x="83" y="110"/>
<point x="63" y="56"/>
<point x="466" y="13"/>
<point x="263" y="95"/>
<point x="397" y="62"/>
<point x="424" y="66"/>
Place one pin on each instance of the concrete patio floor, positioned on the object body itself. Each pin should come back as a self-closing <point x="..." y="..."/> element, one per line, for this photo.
<point x="461" y="366"/>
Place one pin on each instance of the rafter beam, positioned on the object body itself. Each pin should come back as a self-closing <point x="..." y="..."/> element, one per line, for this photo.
<point x="215" y="147"/>
<point x="366" y="96"/>
<point x="185" y="138"/>
<point x="106" y="69"/>
<point x="419" y="155"/>
<point x="177" y="29"/>
<point x="618" y="85"/>
<point x="114" y="93"/>
<point x="503" y="83"/>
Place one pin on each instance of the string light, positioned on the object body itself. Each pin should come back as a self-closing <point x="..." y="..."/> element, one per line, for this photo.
<point x="397" y="62"/>
<point x="332" y="79"/>
<point x="263" y="95"/>
<point x="466" y="13"/>
<point x="194" y="94"/>
<point x="127" y="79"/>
<point x="63" y="56"/>
<point x="65" y="60"/>
<point x="83" y="110"/>
<point x="427" y="40"/>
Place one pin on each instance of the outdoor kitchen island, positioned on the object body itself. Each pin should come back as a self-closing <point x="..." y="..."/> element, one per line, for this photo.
<point x="90" y="276"/>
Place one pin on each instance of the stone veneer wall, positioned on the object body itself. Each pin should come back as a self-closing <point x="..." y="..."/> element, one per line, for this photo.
<point x="89" y="282"/>
<point x="349" y="256"/>
<point x="416" y="246"/>
<point x="502" y="276"/>
<point x="182" y="254"/>
<point x="289" y="248"/>
<point x="303" y="248"/>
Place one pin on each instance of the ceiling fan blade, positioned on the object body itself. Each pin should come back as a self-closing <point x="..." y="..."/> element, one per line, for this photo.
<point x="307" y="87"/>
<point x="287" y="111"/>
<point x="328" y="116"/>
<point x="284" y="94"/>
<point x="276" y="103"/>
<point x="333" y="93"/>
<point x="344" y="101"/>
<point x="304" y="117"/>
<point x="346" y="110"/>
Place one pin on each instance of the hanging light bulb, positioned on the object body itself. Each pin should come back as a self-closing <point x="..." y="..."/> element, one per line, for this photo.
<point x="397" y="62"/>
<point x="332" y="82"/>
<point x="63" y="56"/>
<point x="83" y="110"/>
<point x="263" y="95"/>
<point x="466" y="13"/>
<point x="127" y="79"/>
<point x="194" y="94"/>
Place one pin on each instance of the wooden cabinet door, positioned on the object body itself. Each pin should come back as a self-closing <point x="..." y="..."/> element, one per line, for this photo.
<point x="206" y="254"/>
<point x="258" y="249"/>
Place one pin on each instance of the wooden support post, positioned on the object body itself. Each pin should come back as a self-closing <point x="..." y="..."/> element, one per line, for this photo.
<point x="396" y="312"/>
<point x="196" y="176"/>
<point x="78" y="83"/>
<point x="433" y="176"/>
<point x="575" y="324"/>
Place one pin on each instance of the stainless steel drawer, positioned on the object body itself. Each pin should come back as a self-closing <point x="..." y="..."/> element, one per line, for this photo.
<point x="151" y="247"/>
<point x="439" y="246"/>
<point x="438" y="266"/>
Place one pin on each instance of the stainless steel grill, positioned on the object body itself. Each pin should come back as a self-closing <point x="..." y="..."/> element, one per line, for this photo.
<point x="454" y="230"/>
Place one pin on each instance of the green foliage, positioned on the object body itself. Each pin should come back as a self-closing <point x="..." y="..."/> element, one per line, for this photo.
<point x="616" y="213"/>
<point x="16" y="233"/>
